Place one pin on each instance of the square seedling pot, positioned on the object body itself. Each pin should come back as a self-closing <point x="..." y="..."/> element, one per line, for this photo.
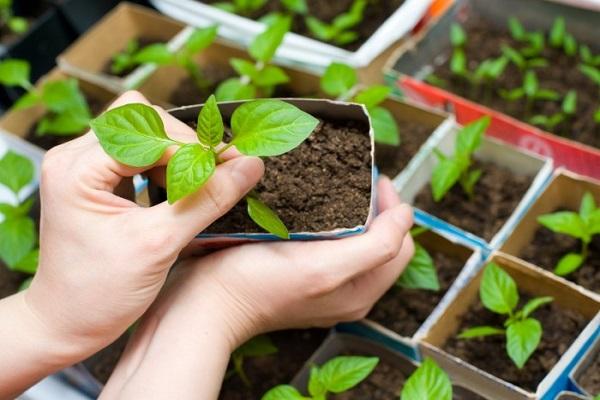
<point x="530" y="281"/>
<point x="415" y="60"/>
<point x="298" y="49"/>
<point x="461" y="262"/>
<point x="518" y="161"/>
<point x="90" y="56"/>
<point x="585" y="377"/>
<point x="564" y="192"/>
<point x="571" y="396"/>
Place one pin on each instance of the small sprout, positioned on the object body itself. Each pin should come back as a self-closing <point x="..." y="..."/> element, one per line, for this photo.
<point x="243" y="7"/>
<point x="134" y="135"/>
<point x="429" y="382"/>
<point x="530" y="90"/>
<point x="597" y="116"/>
<point x="435" y="80"/>
<point x="516" y="29"/>
<point x="592" y="73"/>
<point x="588" y="58"/>
<point x="490" y="70"/>
<point x="458" y="61"/>
<point x="339" y="31"/>
<point x="568" y="110"/>
<point x="15" y="24"/>
<point x="498" y="293"/>
<point x="259" y="346"/>
<point x="456" y="168"/>
<point x="420" y="273"/>
<point x="570" y="45"/>
<point x="536" y="44"/>
<point x="582" y="225"/>
<point x="521" y="61"/>
<point x="558" y="32"/>
<point x="295" y="6"/>
<point x="338" y="375"/>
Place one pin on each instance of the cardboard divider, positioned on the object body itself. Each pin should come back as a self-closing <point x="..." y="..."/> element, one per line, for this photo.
<point x="89" y="55"/>
<point x="584" y="363"/>
<point x="571" y="396"/>
<point x="532" y="281"/>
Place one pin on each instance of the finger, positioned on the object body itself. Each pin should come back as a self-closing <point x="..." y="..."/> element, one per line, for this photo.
<point x="386" y="194"/>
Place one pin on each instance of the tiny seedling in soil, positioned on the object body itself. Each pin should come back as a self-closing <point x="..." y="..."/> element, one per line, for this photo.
<point x="242" y="7"/>
<point x="14" y="24"/>
<point x="429" y="382"/>
<point x="258" y="78"/>
<point x="18" y="235"/>
<point x="67" y="112"/>
<point x="338" y="375"/>
<point x="568" y="110"/>
<point x="339" y="31"/>
<point x="457" y="168"/>
<point x="420" y="273"/>
<point x="498" y="293"/>
<point x="341" y="82"/>
<point x="582" y="225"/>
<point x="258" y="346"/>
<point x="530" y="90"/>
<point x="135" y="135"/>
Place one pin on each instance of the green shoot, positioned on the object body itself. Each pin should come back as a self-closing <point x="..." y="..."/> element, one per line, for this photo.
<point x="530" y="91"/>
<point x="582" y="225"/>
<point x="134" y="135"/>
<point x="560" y="38"/>
<point x="597" y="116"/>
<point x="18" y="236"/>
<point x="341" y="80"/>
<point x="534" y="41"/>
<point x="588" y="58"/>
<point x="258" y="346"/>
<point x="457" y="168"/>
<point x="522" y="62"/>
<point x="435" y="80"/>
<point x="498" y="293"/>
<point x="258" y="78"/>
<point x="15" y="24"/>
<point x="458" y="61"/>
<point x="568" y="110"/>
<point x="67" y="112"/>
<point x="295" y="6"/>
<point x="592" y="73"/>
<point x="428" y="381"/>
<point x="339" y="31"/>
<point x="420" y="273"/>
<point x="242" y="7"/>
<point x="338" y="375"/>
<point x="516" y="29"/>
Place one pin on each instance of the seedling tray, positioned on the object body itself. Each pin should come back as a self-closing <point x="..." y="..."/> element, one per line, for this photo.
<point x="586" y="361"/>
<point x="413" y="62"/>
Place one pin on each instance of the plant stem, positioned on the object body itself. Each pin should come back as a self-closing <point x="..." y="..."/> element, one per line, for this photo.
<point x="238" y="363"/>
<point x="225" y="148"/>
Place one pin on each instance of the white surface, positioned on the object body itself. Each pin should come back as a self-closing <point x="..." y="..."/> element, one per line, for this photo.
<point x="52" y="388"/>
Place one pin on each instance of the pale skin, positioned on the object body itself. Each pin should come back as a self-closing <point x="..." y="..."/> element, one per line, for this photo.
<point x="104" y="264"/>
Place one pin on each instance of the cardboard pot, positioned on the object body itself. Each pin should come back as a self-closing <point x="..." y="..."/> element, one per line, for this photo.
<point x="590" y="357"/>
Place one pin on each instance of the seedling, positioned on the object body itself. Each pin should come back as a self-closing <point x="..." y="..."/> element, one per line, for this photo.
<point x="67" y="112"/>
<point x="592" y="73"/>
<point x="530" y="91"/>
<point x="597" y="116"/>
<point x="428" y="381"/>
<point x="560" y="38"/>
<point x="588" y="57"/>
<point x="134" y="135"/>
<point x="258" y="78"/>
<point x="582" y="225"/>
<point x="338" y="375"/>
<point x="458" y="39"/>
<point x="498" y="293"/>
<point x="259" y="346"/>
<point x="242" y="7"/>
<point x="568" y="110"/>
<point x="534" y="41"/>
<point x="339" y="31"/>
<point x="341" y="82"/>
<point x="457" y="168"/>
<point x="18" y="235"/>
<point x="522" y="62"/>
<point x="420" y="273"/>
<point x="7" y="18"/>
<point x="160" y="54"/>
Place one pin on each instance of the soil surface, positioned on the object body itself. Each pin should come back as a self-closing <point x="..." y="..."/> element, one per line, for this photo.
<point x="547" y="247"/>
<point x="9" y="281"/>
<point x="188" y="92"/>
<point x="404" y="310"/>
<point x="102" y="364"/>
<point x="391" y="160"/>
<point x="142" y="42"/>
<point x="497" y="194"/>
<point x="323" y="184"/>
<point x="561" y="327"/>
<point x="590" y="380"/>
<point x="295" y="348"/>
<point x="562" y="74"/>
<point x="375" y="14"/>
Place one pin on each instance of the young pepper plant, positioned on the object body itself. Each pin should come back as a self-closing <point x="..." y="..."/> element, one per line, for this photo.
<point x="498" y="293"/>
<point x="259" y="346"/>
<point x="568" y="110"/>
<point x="337" y="375"/>
<point x="530" y="91"/>
<point x="341" y="81"/>
<point x="582" y="225"/>
<point x="534" y="41"/>
<point x="339" y="31"/>
<point x="15" y="24"/>
<point x="457" y="167"/>
<point x="242" y="7"/>
<point x="134" y="135"/>
<point x="428" y="381"/>
<point x="420" y="273"/>
<point x="67" y="112"/>
<point x="559" y="37"/>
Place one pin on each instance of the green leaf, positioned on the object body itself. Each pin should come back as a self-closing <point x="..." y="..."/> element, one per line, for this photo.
<point x="244" y="67"/>
<point x="351" y="18"/>
<point x="266" y="218"/>
<point x="64" y="94"/>
<point x="517" y="31"/>
<point x="469" y="181"/>
<point x="566" y="222"/>
<point x="132" y="134"/>
<point x="14" y="72"/>
<point x="546" y="94"/>
<point x="470" y="136"/>
<point x="498" y="291"/>
<point x="66" y="123"/>
<point x="597" y="116"/>
<point x="570" y="45"/>
<point x="234" y="89"/>
<point x="587" y="206"/>
<point x="270" y="75"/>
<point x="29" y="99"/>
<point x="557" y="32"/>
<point x="29" y="263"/>
<point x="429" y="381"/>
<point x="265" y="45"/>
<point x="200" y="39"/>
<point x="344" y="372"/>
<point x="315" y="386"/>
<point x="458" y="62"/>
<point x="458" y="37"/>
<point x="16" y="171"/>
<point x="514" y="56"/>
<point x="319" y="29"/>
<point x="258" y="346"/>
<point x="210" y="123"/>
<point x="283" y="392"/>
<point x="420" y="272"/>
<point x="18" y="25"/>
<point x="385" y="127"/>
<point x="480" y="331"/>
<point x="296" y="6"/>
<point x="345" y="38"/>
<point x="17" y="238"/>
<point x="568" y="263"/>
<point x="20" y="210"/>
<point x="512" y="95"/>
<point x="530" y="84"/>
<point x="569" y="104"/>
<point x="266" y="128"/>
<point x="156" y="53"/>
<point x="445" y="175"/>
<point x="225" y="6"/>
<point x="373" y="95"/>
<point x="338" y="79"/>
<point x="522" y="338"/>
<point x="534" y="304"/>
<point x="591" y="72"/>
<point x="189" y="169"/>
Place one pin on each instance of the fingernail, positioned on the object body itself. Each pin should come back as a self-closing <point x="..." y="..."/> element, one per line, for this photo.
<point x="247" y="171"/>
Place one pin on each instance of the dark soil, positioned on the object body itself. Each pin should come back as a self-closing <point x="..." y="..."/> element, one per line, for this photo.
<point x="142" y="42"/>
<point x="561" y="327"/>
<point x="547" y="247"/>
<point x="102" y="364"/>
<point x="9" y="281"/>
<point x="590" y="380"/>
<point x="391" y="160"/>
<point x="295" y="348"/>
<point x="188" y="92"/>
<point x="497" y="194"/>
<point x="323" y="184"/>
<point x="375" y="14"/>
<point x="562" y="74"/>
<point x="404" y="310"/>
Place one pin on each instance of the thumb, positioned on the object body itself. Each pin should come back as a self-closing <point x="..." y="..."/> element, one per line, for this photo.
<point x="231" y="181"/>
